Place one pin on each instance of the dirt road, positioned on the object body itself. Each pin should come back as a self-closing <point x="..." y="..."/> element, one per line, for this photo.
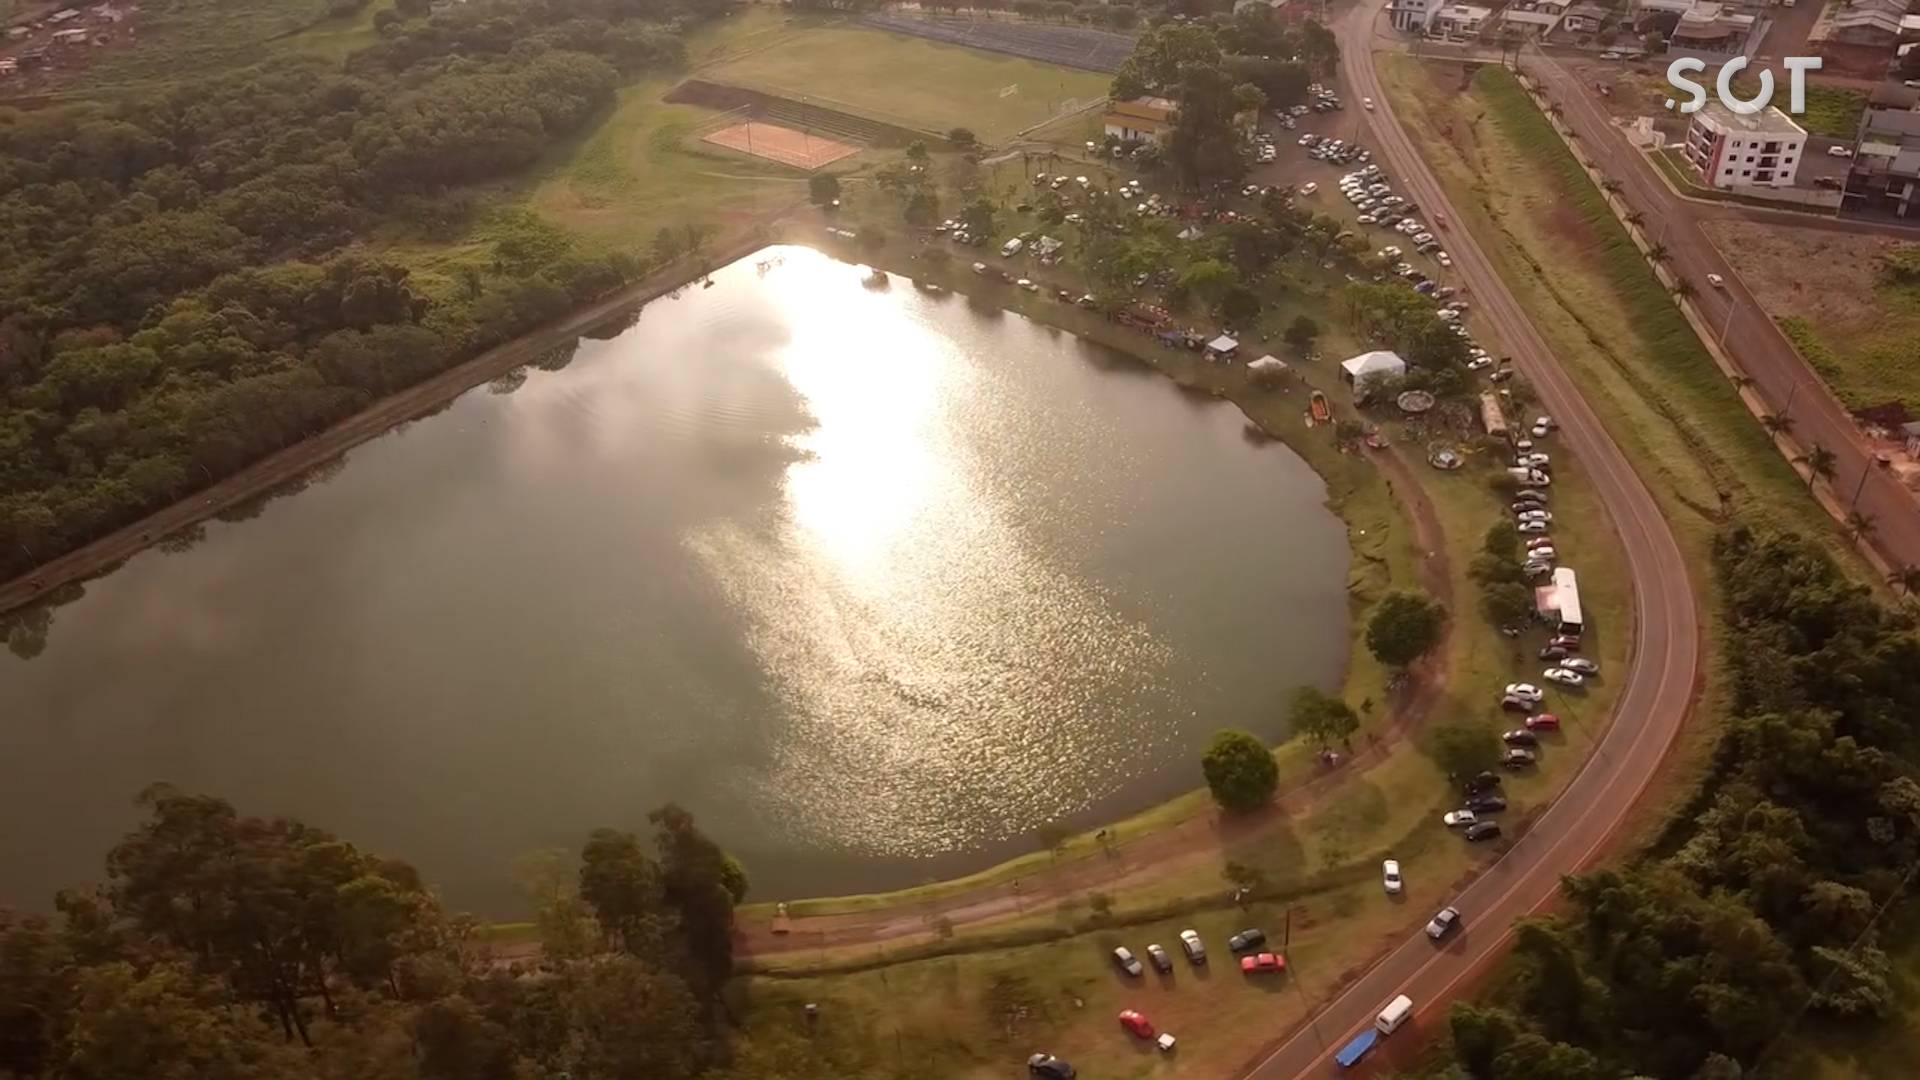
<point x="1780" y="377"/>
<point x="1659" y="680"/>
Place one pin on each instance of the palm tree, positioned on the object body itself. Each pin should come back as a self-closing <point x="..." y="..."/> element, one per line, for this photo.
<point x="1859" y="526"/>
<point x="1820" y="462"/>
<point x="1683" y="288"/>
<point x="1636" y="218"/>
<point x="1776" y="424"/>
<point x="1906" y="579"/>
<point x="1610" y="185"/>
<point x="1740" y="382"/>
<point x="1658" y="253"/>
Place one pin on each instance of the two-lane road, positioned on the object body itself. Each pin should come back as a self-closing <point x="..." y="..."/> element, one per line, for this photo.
<point x="1780" y="377"/>
<point x="1659" y="680"/>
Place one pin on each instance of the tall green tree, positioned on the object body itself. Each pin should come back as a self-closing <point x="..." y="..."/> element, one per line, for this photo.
<point x="1403" y="627"/>
<point x="1240" y="771"/>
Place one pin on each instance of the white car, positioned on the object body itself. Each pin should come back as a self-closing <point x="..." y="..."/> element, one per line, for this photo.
<point x="1544" y="552"/>
<point x="1581" y="664"/>
<point x="1455" y="819"/>
<point x="1563" y="676"/>
<point x="1545" y="422"/>
<point x="1446" y="920"/>
<point x="1390" y="876"/>
<point x="1479" y="363"/>
<point x="1390" y="252"/>
<point x="1408" y="226"/>
<point x="1533" y="515"/>
<point x="1423" y="238"/>
<point x="1366" y="103"/>
<point x="1525" y="691"/>
<point x="1367" y="219"/>
<point x="1541" y="431"/>
<point x="1716" y="281"/>
<point x="1196" y="951"/>
<point x="1309" y="188"/>
<point x="1534" y="460"/>
<point x="1445" y="259"/>
<point x="1839" y="151"/>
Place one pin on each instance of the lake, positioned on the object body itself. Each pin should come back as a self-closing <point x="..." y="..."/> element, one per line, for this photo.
<point x="877" y="582"/>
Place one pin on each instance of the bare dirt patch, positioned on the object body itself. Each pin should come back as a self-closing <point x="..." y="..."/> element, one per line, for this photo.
<point x="1828" y="278"/>
<point x="782" y="144"/>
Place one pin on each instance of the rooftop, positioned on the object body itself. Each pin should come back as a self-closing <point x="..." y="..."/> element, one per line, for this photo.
<point x="1892" y="95"/>
<point x="1768" y="121"/>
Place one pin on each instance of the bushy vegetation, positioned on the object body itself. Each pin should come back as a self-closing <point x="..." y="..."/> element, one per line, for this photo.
<point x="227" y="947"/>
<point x="181" y="298"/>
<point x="1240" y="771"/>
<point x="1763" y="911"/>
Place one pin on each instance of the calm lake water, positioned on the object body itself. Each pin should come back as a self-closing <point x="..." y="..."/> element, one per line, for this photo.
<point x="875" y="582"/>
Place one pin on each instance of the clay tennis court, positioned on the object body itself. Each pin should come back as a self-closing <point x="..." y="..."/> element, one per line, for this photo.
<point x="782" y="144"/>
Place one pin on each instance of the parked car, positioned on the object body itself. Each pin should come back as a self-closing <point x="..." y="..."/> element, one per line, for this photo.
<point x="1569" y="642"/>
<point x="1454" y="819"/>
<point x="1519" y="737"/>
<point x="1195" y="949"/>
<point x="1532" y="526"/>
<point x="1563" y="676"/>
<point x="1128" y="963"/>
<point x="1481" y="782"/>
<point x="1840" y="151"/>
<point x="1159" y="958"/>
<point x="1048" y="1067"/>
<point x="1390" y="876"/>
<point x="1444" y="923"/>
<point x="1534" y="514"/>
<point x="1554" y="652"/>
<point x="1534" y="460"/>
<point x="1543" y="551"/>
<point x="1263" y="963"/>
<point x="1246" y="939"/>
<point x="1525" y="690"/>
<point x="1545" y="721"/>
<point x="1309" y="188"/>
<point x="1515" y="703"/>
<point x="1582" y="665"/>
<point x="1444" y="258"/>
<point x="1136" y="1023"/>
<point x="1517" y="758"/>
<point x="1491" y="803"/>
<point x="1485" y="830"/>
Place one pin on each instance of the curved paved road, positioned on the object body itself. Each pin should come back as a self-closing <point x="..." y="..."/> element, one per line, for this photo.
<point x="1659" y="680"/>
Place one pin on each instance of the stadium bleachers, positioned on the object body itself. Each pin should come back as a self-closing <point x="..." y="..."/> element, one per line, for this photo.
<point x="1069" y="46"/>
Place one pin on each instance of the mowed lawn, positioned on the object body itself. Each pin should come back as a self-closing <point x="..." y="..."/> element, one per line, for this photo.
<point x="911" y="81"/>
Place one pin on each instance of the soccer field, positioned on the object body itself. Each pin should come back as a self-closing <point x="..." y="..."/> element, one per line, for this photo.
<point x="911" y="81"/>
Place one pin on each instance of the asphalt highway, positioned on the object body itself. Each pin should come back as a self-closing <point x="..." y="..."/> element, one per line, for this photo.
<point x="1658" y="682"/>
<point x="1780" y="377"/>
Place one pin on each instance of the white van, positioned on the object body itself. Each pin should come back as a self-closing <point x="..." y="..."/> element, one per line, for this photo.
<point x="1394" y="1015"/>
<point x="1011" y="248"/>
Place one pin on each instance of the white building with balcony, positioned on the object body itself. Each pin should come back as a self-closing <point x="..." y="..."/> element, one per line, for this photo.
<point x="1734" y="150"/>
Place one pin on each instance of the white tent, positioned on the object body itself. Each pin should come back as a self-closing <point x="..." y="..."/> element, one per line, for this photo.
<point x="1268" y="365"/>
<point x="1379" y="364"/>
<point x="1222" y="347"/>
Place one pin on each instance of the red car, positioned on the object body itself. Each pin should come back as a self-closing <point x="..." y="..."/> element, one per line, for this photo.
<point x="1569" y="642"/>
<point x="1546" y="721"/>
<point x="1136" y="1023"/>
<point x="1259" y="962"/>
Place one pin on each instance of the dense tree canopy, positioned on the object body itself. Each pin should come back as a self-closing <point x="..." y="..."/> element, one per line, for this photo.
<point x="1757" y="918"/>
<point x="176" y="301"/>
<point x="228" y="947"/>
<point x="1403" y="626"/>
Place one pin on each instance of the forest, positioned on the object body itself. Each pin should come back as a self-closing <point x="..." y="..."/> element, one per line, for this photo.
<point x="1763" y="914"/>
<point x="185" y="294"/>
<point x="227" y="947"/>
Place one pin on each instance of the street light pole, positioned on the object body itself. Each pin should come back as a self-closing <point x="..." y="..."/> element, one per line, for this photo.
<point x="1866" y="467"/>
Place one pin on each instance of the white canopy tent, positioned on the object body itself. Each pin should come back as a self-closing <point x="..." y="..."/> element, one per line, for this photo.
<point x="1378" y="364"/>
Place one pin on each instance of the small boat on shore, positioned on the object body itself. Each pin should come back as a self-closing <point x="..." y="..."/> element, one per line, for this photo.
<point x="1318" y="407"/>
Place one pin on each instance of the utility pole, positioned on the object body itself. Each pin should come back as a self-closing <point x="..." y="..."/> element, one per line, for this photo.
<point x="1866" y="466"/>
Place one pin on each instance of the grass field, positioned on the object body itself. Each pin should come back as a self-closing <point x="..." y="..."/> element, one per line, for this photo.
<point x="911" y="81"/>
<point x="1858" y="327"/>
<point x="1607" y="316"/>
<point x="179" y="40"/>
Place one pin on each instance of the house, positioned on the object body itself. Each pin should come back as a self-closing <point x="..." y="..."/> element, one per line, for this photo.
<point x="1910" y="434"/>
<point x="1707" y="26"/>
<point x="1371" y="366"/>
<point x="1533" y="19"/>
<point x="1884" y="174"/>
<point x="1460" y="20"/>
<point x="1874" y="23"/>
<point x="76" y="36"/>
<point x="1584" y="17"/>
<point x="1732" y="150"/>
<point x="63" y="15"/>
<point x="1141" y="119"/>
<point x="1412" y="16"/>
